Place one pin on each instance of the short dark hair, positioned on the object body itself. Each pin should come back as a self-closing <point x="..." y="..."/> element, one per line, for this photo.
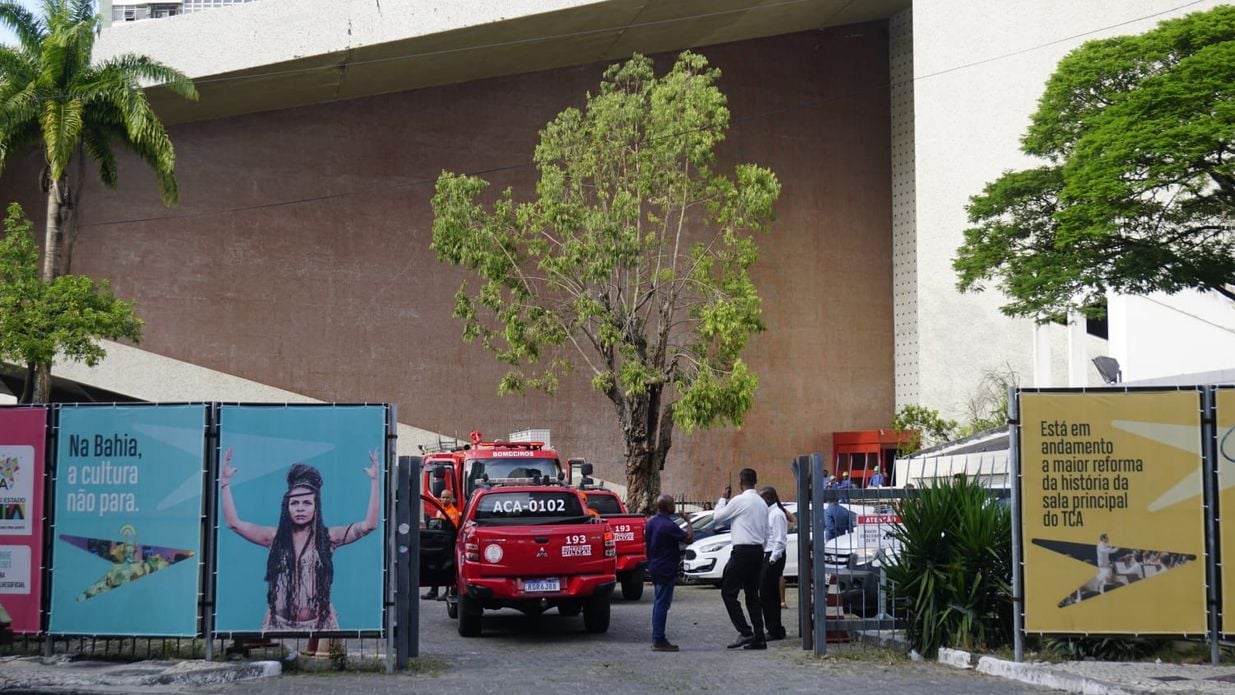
<point x="748" y="477"/>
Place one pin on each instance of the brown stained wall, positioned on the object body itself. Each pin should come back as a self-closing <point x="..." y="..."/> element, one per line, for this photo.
<point x="299" y="256"/>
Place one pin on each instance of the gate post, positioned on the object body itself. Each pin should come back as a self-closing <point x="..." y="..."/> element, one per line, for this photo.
<point x="407" y="544"/>
<point x="1018" y="575"/>
<point x="819" y="585"/>
<point x="801" y="474"/>
<point x="1209" y="471"/>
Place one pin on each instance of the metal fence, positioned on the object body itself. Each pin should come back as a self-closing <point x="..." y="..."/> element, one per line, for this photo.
<point x="847" y="538"/>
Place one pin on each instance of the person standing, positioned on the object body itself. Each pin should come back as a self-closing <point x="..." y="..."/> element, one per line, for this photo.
<point x="876" y="479"/>
<point x="663" y="538"/>
<point x="747" y="515"/>
<point x="770" y="587"/>
<point x="451" y="513"/>
<point x="836" y="520"/>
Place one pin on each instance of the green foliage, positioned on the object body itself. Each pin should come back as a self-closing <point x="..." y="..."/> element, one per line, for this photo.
<point x="925" y="426"/>
<point x="51" y="92"/>
<point x="955" y="567"/>
<point x="1103" y="648"/>
<point x="633" y="259"/>
<point x="40" y="320"/>
<point x="1137" y="192"/>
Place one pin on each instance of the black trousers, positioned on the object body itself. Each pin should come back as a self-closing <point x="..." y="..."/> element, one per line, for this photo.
<point x="769" y="595"/>
<point x="742" y="574"/>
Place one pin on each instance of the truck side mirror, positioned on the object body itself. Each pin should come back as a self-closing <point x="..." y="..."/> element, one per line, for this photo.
<point x="585" y="469"/>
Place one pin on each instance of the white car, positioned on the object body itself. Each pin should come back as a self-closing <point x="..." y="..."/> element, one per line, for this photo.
<point x="860" y="551"/>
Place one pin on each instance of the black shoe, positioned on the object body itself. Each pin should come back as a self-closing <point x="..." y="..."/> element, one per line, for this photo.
<point x="440" y="597"/>
<point x="756" y="644"/>
<point x="431" y="596"/>
<point x="742" y="641"/>
<point x="774" y="636"/>
<point x="664" y="646"/>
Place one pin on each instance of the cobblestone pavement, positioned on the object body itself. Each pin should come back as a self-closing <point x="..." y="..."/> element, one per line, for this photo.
<point x="551" y="654"/>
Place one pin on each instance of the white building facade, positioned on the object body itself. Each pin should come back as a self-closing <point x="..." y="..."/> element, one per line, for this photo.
<point x="965" y="77"/>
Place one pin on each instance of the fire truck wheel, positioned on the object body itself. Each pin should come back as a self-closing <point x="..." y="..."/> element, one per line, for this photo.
<point x="596" y="614"/>
<point x="452" y="608"/>
<point x="470" y="611"/>
<point x="632" y="586"/>
<point x="569" y="608"/>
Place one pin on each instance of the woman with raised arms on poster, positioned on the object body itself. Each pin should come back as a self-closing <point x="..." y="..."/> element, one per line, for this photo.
<point x="300" y="567"/>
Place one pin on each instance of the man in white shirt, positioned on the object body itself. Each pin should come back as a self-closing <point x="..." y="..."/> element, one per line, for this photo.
<point x="747" y="517"/>
<point x="773" y="563"/>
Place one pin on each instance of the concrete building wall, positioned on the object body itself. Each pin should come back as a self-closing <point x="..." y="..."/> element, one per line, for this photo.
<point x="298" y="257"/>
<point x="979" y="68"/>
<point x="1162" y="335"/>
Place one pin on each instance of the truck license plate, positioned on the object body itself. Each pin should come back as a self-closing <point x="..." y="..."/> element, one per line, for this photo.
<point x="530" y="585"/>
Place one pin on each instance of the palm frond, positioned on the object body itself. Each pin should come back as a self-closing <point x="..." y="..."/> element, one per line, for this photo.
<point x="138" y="69"/>
<point x="28" y="28"/>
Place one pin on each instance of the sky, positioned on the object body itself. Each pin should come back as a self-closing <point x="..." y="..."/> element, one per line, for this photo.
<point x="6" y="36"/>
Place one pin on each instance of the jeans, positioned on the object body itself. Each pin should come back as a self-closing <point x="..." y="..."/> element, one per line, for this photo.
<point x="662" y="598"/>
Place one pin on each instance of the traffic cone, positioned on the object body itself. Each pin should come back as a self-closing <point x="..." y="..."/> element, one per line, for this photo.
<point x="835" y="611"/>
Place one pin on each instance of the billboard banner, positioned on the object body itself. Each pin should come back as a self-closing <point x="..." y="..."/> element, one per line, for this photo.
<point x="23" y="437"/>
<point x="1224" y="402"/>
<point x="300" y="498"/>
<point x="1112" y="512"/>
<point x="128" y="509"/>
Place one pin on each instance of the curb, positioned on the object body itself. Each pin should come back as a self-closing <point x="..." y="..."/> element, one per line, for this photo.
<point x="1035" y="674"/>
<point x="219" y="675"/>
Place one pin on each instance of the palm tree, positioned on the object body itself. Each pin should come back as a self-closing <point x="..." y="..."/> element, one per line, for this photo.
<point x="50" y="92"/>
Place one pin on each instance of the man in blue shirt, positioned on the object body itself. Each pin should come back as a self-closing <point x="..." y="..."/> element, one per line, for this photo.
<point x="662" y="536"/>
<point x="836" y="521"/>
<point x="876" y="479"/>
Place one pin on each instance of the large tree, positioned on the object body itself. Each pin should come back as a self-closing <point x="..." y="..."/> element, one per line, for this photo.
<point x="632" y="260"/>
<point x="51" y="93"/>
<point x="1137" y="192"/>
<point x="67" y="315"/>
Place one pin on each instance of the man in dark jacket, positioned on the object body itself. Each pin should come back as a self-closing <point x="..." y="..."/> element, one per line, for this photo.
<point x="662" y="537"/>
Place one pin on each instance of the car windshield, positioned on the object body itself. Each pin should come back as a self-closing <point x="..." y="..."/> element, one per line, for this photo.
<point x="700" y="520"/>
<point x="527" y="506"/>
<point x="605" y="504"/>
<point x="498" y="468"/>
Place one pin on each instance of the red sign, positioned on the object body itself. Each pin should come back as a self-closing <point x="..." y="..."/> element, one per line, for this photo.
<point x="23" y="433"/>
<point x="879" y="519"/>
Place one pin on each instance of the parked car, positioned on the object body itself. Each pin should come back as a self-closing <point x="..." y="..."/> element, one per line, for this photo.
<point x="855" y="558"/>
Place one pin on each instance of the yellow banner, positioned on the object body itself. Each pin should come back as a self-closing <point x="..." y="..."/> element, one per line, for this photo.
<point x="1225" y="405"/>
<point x="1112" y="514"/>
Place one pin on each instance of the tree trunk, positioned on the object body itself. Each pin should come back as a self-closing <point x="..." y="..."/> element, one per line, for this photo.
<point x="41" y="392"/>
<point x="642" y="480"/>
<point x="58" y="206"/>
<point x="649" y="434"/>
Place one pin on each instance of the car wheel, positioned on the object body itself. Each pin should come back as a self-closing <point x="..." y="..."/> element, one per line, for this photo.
<point x="632" y="586"/>
<point x="470" y="612"/>
<point x="596" y="614"/>
<point x="452" y="607"/>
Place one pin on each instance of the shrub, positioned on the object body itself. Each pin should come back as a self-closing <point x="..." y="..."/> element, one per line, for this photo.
<point x="955" y="567"/>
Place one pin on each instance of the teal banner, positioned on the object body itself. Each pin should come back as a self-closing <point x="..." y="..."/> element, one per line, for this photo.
<point x="300" y="513"/>
<point x="128" y="509"/>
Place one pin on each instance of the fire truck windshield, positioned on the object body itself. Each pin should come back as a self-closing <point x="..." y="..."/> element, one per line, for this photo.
<point x="497" y="468"/>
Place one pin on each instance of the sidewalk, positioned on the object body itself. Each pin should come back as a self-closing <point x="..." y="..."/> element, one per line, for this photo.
<point x="1102" y="677"/>
<point x="62" y="675"/>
